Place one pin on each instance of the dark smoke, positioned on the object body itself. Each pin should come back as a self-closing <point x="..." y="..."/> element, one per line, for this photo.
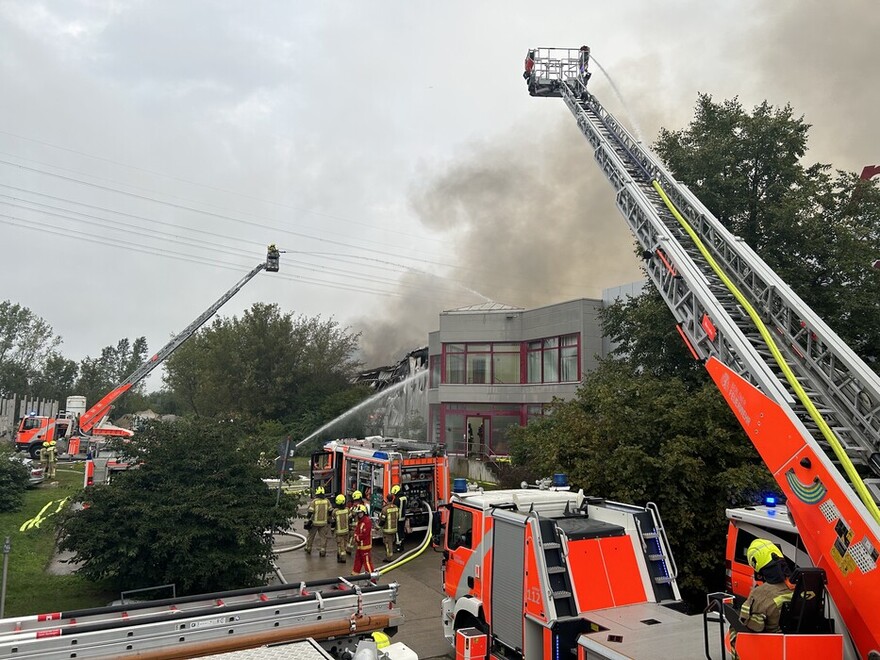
<point x="532" y="222"/>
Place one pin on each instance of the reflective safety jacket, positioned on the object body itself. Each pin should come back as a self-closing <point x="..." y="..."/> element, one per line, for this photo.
<point x="340" y="519"/>
<point x="389" y="517"/>
<point x="363" y="533"/>
<point x="763" y="607"/>
<point x="318" y="511"/>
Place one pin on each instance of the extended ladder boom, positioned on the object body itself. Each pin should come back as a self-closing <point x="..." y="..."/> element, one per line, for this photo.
<point x="798" y="390"/>
<point x="97" y="412"/>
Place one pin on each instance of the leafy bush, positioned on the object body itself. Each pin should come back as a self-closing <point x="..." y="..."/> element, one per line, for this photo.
<point x="14" y="477"/>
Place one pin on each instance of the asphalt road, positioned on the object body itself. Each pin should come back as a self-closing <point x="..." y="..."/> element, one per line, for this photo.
<point x="419" y="596"/>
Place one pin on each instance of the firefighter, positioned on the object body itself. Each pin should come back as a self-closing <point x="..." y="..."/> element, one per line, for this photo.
<point x="763" y="607"/>
<point x="357" y="499"/>
<point x="363" y="537"/>
<point x="401" y="520"/>
<point x="388" y="519"/>
<point x="318" y="522"/>
<point x="44" y="457"/>
<point x="51" y="458"/>
<point x="340" y="523"/>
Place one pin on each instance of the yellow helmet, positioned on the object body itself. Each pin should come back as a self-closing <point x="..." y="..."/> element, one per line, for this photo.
<point x="395" y="489"/>
<point x="357" y="495"/>
<point x="382" y="640"/>
<point x="340" y="499"/>
<point x="45" y="443"/>
<point x="360" y="508"/>
<point x="761" y="552"/>
<point x="319" y="490"/>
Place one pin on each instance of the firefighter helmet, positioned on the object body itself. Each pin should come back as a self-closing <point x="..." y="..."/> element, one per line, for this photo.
<point x="395" y="489"/>
<point x="361" y="509"/>
<point x="761" y="552"/>
<point x="45" y="443"/>
<point x="340" y="499"/>
<point x="319" y="490"/>
<point x="357" y="495"/>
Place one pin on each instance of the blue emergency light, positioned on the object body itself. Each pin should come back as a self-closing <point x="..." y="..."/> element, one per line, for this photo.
<point x="381" y="455"/>
<point x="770" y="501"/>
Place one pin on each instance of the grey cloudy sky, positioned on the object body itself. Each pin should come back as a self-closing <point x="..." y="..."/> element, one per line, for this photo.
<point x="150" y="150"/>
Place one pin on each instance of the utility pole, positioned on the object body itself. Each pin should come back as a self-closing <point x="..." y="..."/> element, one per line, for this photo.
<point x="7" y="546"/>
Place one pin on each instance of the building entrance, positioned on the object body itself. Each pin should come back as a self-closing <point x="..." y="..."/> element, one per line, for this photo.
<point x="477" y="432"/>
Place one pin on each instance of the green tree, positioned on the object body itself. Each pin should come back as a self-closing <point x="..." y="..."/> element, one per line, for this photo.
<point x="57" y="379"/>
<point x="631" y="436"/>
<point x="193" y="513"/>
<point x="14" y="477"/>
<point x="265" y="365"/>
<point x="643" y="332"/>
<point x="26" y="343"/>
<point x="818" y="230"/>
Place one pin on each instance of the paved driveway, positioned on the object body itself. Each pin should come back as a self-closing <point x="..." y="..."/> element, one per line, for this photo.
<point x="420" y="592"/>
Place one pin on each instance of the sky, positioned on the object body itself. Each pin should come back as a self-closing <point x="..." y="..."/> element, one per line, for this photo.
<point x="149" y="151"/>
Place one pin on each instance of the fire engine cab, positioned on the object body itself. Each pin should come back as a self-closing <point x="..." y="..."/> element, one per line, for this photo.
<point x="550" y="573"/>
<point x="374" y="464"/>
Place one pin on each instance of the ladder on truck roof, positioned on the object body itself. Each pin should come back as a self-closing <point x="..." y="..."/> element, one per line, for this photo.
<point x="777" y="363"/>
<point x="324" y="608"/>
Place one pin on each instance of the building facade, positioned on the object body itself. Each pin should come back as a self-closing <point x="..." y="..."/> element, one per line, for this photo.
<point x="493" y="366"/>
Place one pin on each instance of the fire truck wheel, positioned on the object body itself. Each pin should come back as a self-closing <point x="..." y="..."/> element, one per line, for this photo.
<point x="34" y="452"/>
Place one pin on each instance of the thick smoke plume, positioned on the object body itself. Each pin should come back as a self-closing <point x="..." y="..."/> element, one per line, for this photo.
<point x="531" y="221"/>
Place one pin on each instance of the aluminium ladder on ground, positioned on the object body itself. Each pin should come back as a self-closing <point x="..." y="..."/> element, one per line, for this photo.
<point x="337" y="605"/>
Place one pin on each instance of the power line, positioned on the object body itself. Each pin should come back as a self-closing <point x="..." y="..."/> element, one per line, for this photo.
<point x="186" y="241"/>
<point x="89" y="238"/>
<point x="201" y="185"/>
<point x="192" y="209"/>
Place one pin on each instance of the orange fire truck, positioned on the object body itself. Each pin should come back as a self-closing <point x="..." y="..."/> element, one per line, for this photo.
<point x="583" y="577"/>
<point x="70" y="429"/>
<point x="374" y="464"/>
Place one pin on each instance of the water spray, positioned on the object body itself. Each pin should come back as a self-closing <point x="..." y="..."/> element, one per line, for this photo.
<point x="365" y="403"/>
<point x="629" y="115"/>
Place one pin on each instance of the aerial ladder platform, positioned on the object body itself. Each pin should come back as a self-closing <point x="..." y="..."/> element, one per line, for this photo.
<point x="333" y="611"/>
<point x="809" y="404"/>
<point x="34" y="430"/>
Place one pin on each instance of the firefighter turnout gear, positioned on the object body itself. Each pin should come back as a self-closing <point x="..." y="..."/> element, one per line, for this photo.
<point x="340" y="523"/>
<point x="51" y="459"/>
<point x="401" y="518"/>
<point x="363" y="538"/>
<point x="44" y="457"/>
<point x="357" y="500"/>
<point x="763" y="608"/>
<point x="388" y="520"/>
<point x="318" y="516"/>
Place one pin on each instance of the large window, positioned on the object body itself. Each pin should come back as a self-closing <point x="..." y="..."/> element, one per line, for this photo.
<point x="482" y="364"/>
<point x="553" y="360"/>
<point x="454" y="363"/>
